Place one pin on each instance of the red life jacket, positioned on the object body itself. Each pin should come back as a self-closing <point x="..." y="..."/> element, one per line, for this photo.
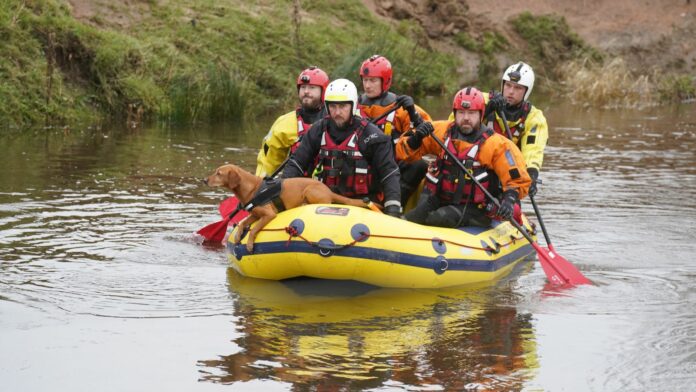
<point x="451" y="184"/>
<point x="343" y="168"/>
<point x="302" y="128"/>
<point x="516" y="130"/>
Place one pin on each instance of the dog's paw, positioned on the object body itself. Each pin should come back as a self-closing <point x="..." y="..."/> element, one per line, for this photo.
<point x="250" y="247"/>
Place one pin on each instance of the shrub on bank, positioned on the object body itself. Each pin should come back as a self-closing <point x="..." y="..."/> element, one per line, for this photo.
<point x="184" y="61"/>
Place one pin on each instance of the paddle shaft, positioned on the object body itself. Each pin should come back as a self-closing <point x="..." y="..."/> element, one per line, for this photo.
<point x="536" y="209"/>
<point x="483" y="188"/>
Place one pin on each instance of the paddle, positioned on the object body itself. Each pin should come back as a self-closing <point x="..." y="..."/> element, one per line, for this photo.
<point x="558" y="270"/>
<point x="232" y="211"/>
<point x="564" y="267"/>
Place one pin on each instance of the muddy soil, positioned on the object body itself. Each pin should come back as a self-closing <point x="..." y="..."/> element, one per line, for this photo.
<point x="651" y="35"/>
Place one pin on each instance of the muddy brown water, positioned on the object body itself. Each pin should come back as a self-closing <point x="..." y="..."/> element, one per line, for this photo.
<point x="104" y="287"/>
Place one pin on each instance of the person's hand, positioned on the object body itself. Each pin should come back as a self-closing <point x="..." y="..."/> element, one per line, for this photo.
<point x="534" y="174"/>
<point x="393" y="210"/>
<point x="423" y="130"/>
<point x="405" y="101"/>
<point x="507" y="205"/>
<point x="496" y="102"/>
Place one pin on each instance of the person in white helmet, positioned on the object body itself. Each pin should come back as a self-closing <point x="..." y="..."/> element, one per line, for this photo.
<point x="527" y="124"/>
<point x="352" y="156"/>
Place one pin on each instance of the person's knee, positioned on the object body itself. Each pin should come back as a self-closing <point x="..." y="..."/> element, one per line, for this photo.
<point x="448" y="216"/>
<point x="413" y="172"/>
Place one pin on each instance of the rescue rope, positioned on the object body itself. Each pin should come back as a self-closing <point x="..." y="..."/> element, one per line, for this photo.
<point x="292" y="232"/>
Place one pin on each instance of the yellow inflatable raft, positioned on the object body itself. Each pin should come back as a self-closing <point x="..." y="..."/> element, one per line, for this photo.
<point x="352" y="243"/>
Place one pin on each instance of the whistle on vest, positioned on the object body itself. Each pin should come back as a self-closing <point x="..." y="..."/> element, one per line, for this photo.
<point x="317" y="171"/>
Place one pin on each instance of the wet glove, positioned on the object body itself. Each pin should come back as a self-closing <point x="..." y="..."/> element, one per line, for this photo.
<point x="496" y="103"/>
<point x="422" y="131"/>
<point x="405" y="102"/>
<point x="507" y="204"/>
<point x="534" y="174"/>
<point x="393" y="209"/>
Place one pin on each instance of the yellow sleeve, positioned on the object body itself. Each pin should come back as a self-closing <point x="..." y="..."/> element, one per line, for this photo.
<point x="533" y="138"/>
<point x="276" y="144"/>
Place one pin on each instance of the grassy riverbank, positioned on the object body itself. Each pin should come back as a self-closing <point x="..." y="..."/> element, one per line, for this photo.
<point x="189" y="60"/>
<point x="184" y="61"/>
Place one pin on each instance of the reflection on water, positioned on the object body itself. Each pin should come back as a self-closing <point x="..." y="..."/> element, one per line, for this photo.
<point x="331" y="334"/>
<point x="97" y="250"/>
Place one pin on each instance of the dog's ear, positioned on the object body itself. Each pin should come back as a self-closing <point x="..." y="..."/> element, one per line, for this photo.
<point x="233" y="178"/>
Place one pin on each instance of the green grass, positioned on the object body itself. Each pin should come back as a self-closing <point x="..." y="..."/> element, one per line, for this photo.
<point x="550" y="43"/>
<point x="185" y="61"/>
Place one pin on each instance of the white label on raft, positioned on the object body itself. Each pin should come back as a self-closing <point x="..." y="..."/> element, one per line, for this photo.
<point x="338" y="211"/>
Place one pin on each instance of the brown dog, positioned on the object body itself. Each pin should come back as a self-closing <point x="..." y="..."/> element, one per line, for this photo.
<point x="294" y="192"/>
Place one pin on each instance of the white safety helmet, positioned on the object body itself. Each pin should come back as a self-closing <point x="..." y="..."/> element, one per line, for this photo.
<point x="520" y="73"/>
<point x="342" y="90"/>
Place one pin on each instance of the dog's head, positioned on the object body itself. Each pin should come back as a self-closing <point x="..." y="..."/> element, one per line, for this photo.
<point x="226" y="176"/>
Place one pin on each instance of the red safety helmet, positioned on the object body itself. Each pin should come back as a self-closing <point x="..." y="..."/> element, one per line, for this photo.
<point x="378" y="67"/>
<point x="469" y="98"/>
<point x="314" y="76"/>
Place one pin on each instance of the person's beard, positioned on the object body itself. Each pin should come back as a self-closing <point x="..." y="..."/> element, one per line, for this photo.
<point x="341" y="124"/>
<point x="309" y="103"/>
<point x="466" y="128"/>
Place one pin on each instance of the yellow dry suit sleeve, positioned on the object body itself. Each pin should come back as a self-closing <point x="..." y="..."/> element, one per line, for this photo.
<point x="276" y="144"/>
<point x="533" y="138"/>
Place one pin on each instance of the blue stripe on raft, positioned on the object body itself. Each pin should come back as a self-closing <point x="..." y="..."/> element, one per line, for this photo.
<point x="358" y="252"/>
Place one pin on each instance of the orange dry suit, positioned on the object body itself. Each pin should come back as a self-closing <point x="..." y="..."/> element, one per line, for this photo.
<point x="397" y="122"/>
<point x="489" y="153"/>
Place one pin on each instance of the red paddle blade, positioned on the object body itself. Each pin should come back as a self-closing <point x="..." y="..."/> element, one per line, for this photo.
<point x="227" y="206"/>
<point x="558" y="270"/>
<point x="215" y="232"/>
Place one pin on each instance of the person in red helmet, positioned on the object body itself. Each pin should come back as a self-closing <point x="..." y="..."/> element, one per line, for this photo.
<point x="287" y="131"/>
<point x="377" y="75"/>
<point x="450" y="198"/>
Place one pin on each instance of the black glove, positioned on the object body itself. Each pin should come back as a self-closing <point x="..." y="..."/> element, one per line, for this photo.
<point x="393" y="210"/>
<point x="507" y="204"/>
<point x="405" y="102"/>
<point x="422" y="131"/>
<point x="496" y="102"/>
<point x="534" y="174"/>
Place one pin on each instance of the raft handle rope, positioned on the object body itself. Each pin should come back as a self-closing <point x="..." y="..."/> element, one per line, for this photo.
<point x="363" y="236"/>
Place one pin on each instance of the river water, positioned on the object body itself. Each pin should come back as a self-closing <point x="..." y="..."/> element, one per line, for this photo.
<point x="104" y="287"/>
